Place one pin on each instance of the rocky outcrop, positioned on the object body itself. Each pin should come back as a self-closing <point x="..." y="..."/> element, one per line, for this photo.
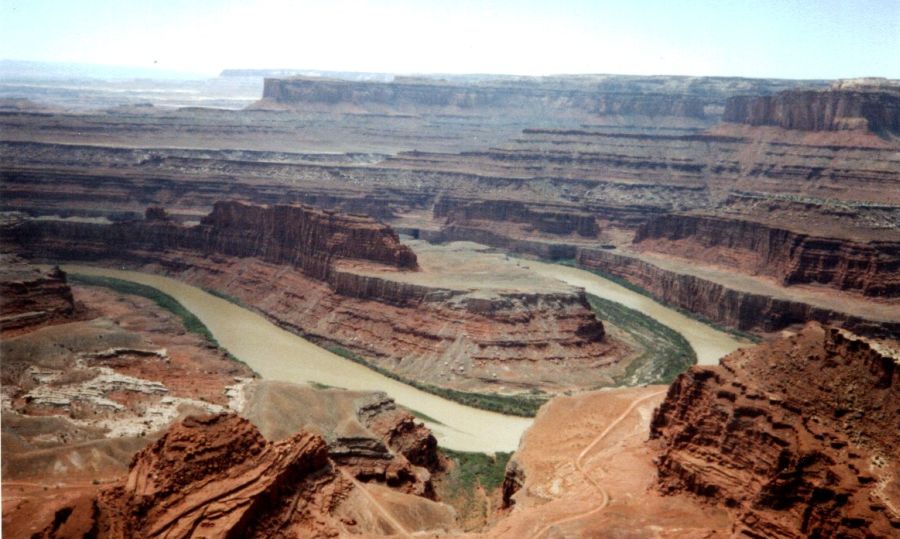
<point x="400" y="431"/>
<point x="216" y="476"/>
<point x="872" y="268"/>
<point x="30" y="297"/>
<point x="796" y="437"/>
<point x="300" y="236"/>
<point x="741" y="309"/>
<point x="875" y="109"/>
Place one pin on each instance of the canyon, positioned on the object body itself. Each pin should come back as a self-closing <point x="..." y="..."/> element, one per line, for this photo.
<point x="386" y="254"/>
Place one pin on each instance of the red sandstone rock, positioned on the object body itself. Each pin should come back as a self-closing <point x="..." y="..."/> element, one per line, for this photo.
<point x="797" y="437"/>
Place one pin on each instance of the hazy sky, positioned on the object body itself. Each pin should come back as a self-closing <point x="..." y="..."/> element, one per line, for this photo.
<point x="770" y="38"/>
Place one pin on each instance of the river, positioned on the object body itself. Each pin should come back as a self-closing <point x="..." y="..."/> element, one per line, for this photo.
<point x="277" y="354"/>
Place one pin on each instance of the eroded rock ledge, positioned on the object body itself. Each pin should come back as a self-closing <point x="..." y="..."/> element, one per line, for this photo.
<point x="797" y="437"/>
<point x="31" y="297"/>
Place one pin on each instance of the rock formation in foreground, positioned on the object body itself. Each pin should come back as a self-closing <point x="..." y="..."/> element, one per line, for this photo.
<point x="31" y="297"/>
<point x="796" y="438"/>
<point x="216" y="476"/>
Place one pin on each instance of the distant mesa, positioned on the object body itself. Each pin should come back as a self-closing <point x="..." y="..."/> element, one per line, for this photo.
<point x="858" y="104"/>
<point x="579" y="95"/>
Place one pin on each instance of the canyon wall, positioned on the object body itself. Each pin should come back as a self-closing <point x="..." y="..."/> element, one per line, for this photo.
<point x="795" y="438"/>
<point x="837" y="109"/>
<point x="541" y="217"/>
<point x="743" y="310"/>
<point x="872" y="268"/>
<point x="309" y="239"/>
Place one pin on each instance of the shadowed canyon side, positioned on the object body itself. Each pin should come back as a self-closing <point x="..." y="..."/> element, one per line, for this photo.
<point x="796" y="437"/>
<point x="30" y="298"/>
<point x="339" y="279"/>
<point x="871" y="268"/>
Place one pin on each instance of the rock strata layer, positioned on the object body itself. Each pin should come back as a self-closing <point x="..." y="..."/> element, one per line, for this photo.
<point x="796" y="437"/>
<point x="875" y="109"/>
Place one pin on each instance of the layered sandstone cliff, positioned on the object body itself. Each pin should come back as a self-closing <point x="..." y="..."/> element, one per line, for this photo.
<point x="872" y="268"/>
<point x="796" y="437"/>
<point x="303" y="237"/>
<point x="875" y="108"/>
<point x="31" y="297"/>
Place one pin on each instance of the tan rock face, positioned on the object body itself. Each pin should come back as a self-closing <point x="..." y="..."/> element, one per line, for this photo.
<point x="796" y="437"/>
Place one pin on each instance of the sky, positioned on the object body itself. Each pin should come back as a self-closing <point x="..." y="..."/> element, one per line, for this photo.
<point x="752" y="38"/>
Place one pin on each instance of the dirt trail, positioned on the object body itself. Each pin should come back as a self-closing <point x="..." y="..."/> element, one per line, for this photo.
<point x="381" y="509"/>
<point x="579" y="465"/>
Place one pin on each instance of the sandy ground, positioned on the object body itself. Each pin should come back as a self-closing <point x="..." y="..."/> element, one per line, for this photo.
<point x="589" y="473"/>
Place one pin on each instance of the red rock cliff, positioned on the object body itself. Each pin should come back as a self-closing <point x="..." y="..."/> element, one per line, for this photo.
<point x="797" y="437"/>
<point x="300" y="236"/>
<point x="216" y="474"/>
<point x="834" y="109"/>
<point x="293" y="234"/>
<point x="872" y="268"/>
